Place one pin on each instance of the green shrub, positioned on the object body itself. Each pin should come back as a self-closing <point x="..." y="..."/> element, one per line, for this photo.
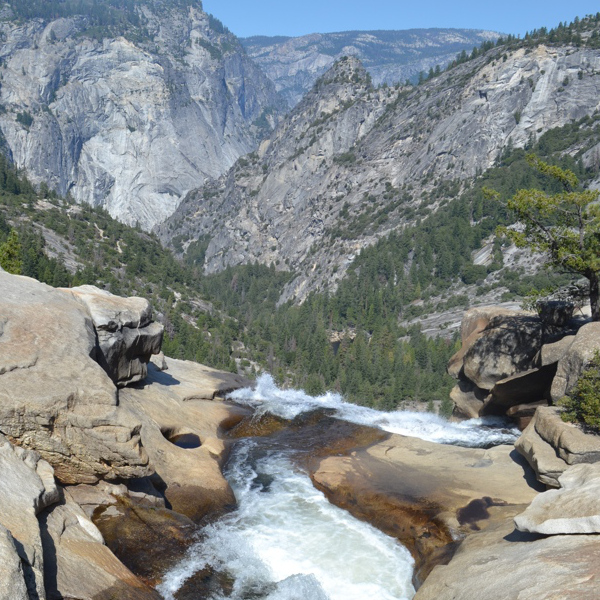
<point x="582" y="405"/>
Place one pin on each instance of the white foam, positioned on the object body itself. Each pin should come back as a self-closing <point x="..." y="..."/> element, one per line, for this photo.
<point x="267" y="397"/>
<point x="286" y="542"/>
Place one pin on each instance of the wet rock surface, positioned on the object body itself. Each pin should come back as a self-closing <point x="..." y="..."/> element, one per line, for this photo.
<point x="426" y="495"/>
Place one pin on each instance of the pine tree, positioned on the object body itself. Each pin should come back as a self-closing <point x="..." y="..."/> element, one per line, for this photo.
<point x="10" y="254"/>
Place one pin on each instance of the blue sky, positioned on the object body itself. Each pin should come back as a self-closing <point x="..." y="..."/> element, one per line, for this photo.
<point x="293" y="18"/>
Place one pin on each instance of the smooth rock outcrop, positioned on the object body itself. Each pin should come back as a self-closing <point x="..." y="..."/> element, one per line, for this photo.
<point x="180" y="402"/>
<point x="127" y="336"/>
<point x="54" y="397"/>
<point x="575" y="359"/>
<point x="427" y="495"/>
<point x="500" y="563"/>
<point x="550" y="445"/>
<point x="574" y="508"/>
<point x="553" y="352"/>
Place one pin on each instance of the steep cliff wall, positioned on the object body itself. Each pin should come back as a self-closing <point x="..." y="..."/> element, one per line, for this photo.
<point x="130" y="124"/>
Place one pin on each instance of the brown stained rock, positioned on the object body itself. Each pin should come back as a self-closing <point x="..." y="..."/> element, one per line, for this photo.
<point x="416" y="490"/>
<point x="507" y="346"/>
<point x="127" y="337"/>
<point x="79" y="565"/>
<point x="523" y="413"/>
<point x="575" y="359"/>
<point x="574" y="508"/>
<point x="179" y="401"/>
<point x="527" y="387"/>
<point x="468" y="399"/>
<point x="149" y="541"/>
<point x="54" y="397"/>
<point x="500" y="563"/>
<point x="474" y="321"/>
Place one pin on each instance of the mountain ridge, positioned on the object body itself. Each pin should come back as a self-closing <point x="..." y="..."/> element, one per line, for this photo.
<point x="411" y="150"/>
<point x="390" y="56"/>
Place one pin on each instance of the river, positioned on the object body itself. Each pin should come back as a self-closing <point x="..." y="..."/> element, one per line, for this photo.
<point x="285" y="541"/>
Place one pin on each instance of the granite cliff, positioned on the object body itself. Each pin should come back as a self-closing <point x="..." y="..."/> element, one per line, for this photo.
<point x="131" y="121"/>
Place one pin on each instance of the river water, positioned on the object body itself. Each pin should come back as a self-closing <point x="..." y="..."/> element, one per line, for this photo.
<point x="285" y="541"/>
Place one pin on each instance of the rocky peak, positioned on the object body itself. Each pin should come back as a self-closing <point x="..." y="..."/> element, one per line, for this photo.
<point x="294" y="64"/>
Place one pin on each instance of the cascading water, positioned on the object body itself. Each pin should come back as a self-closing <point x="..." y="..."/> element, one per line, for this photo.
<point x="266" y="397"/>
<point x="285" y="541"/>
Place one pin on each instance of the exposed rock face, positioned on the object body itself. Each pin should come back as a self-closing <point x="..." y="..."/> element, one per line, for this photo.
<point x="474" y="321"/>
<point x="550" y="445"/>
<point x="502" y="564"/>
<point x="49" y="548"/>
<point x="54" y="397"/>
<point x="294" y="64"/>
<point x="576" y="358"/>
<point x="507" y="346"/>
<point x="425" y="494"/>
<point x="509" y="360"/>
<point x="131" y="126"/>
<point x="574" y="508"/>
<point x="27" y="488"/>
<point x="127" y="336"/>
<point x="350" y="164"/>
<point x="12" y="581"/>
<point x="179" y="402"/>
<point x="82" y="566"/>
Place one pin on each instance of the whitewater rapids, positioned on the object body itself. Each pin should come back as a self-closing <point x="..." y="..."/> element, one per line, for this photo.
<point x="285" y="541"/>
<point x="266" y="397"/>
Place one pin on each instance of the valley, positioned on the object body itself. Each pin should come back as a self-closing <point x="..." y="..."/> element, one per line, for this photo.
<point x="264" y="332"/>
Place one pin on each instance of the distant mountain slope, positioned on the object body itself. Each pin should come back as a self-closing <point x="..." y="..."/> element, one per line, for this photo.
<point x="127" y="105"/>
<point x="294" y="64"/>
<point x="351" y="163"/>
